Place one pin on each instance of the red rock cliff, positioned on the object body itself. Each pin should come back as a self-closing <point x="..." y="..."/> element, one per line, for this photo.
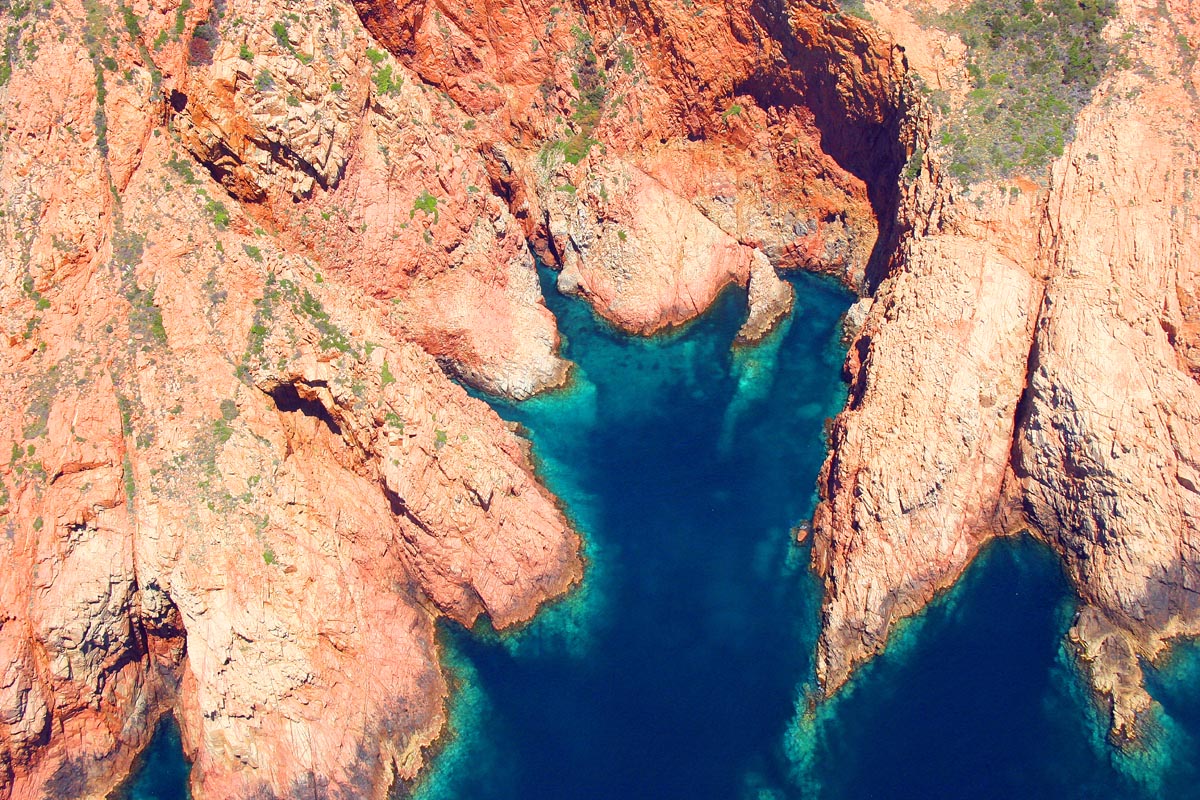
<point x="1030" y="363"/>
<point x="243" y="244"/>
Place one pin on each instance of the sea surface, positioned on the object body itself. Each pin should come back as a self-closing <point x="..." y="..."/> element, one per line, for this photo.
<point x="681" y="667"/>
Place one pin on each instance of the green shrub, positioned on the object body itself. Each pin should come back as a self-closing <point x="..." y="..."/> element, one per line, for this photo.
<point x="912" y="170"/>
<point x="626" y="56"/>
<point x="1033" y="65"/>
<point x="385" y="83"/>
<point x="181" y="17"/>
<point x="855" y="8"/>
<point x="279" y="29"/>
<point x="222" y="431"/>
<point x="219" y="213"/>
<point x="131" y="22"/>
<point x="425" y="202"/>
<point x="182" y="168"/>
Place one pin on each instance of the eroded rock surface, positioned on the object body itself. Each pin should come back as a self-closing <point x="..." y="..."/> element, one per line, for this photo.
<point x="238" y="489"/>
<point x="244" y="245"/>
<point x="1029" y="364"/>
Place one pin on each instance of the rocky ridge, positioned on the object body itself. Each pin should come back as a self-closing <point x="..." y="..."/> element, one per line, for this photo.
<point x="245" y="245"/>
<point x="1051" y="326"/>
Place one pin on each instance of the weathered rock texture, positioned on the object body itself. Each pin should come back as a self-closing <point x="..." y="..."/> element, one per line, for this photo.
<point x="1029" y="363"/>
<point x="236" y="486"/>
<point x="242" y="246"/>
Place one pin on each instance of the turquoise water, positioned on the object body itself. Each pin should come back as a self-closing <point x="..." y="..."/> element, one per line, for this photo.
<point x="679" y="669"/>
<point x="163" y="774"/>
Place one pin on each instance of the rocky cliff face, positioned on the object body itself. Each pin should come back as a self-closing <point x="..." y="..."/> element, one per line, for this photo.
<point x="1029" y="363"/>
<point x="244" y="246"/>
<point x="237" y="486"/>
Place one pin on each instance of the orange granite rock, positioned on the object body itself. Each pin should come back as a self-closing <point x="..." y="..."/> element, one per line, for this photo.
<point x="233" y="494"/>
<point x="1028" y="364"/>
<point x="243" y="246"/>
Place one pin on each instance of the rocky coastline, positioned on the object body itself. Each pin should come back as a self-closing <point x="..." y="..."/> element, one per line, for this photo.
<point x="247" y="250"/>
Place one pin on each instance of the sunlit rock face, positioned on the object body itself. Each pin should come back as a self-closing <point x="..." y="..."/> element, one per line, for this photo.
<point x="1029" y="363"/>
<point x="246" y="246"/>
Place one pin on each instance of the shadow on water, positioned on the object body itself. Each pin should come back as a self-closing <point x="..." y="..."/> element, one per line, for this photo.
<point x="674" y="671"/>
<point x="163" y="774"/>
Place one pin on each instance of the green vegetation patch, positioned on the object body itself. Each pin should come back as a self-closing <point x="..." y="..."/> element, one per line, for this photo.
<point x="1033" y="65"/>
<point x="385" y="82"/>
<point x="183" y="169"/>
<point x="280" y="30"/>
<point x="590" y="80"/>
<point x="145" y="317"/>
<point x="332" y="337"/>
<point x="425" y="202"/>
<point x="855" y="8"/>
<point x="216" y="210"/>
<point x="303" y="305"/>
<point x="573" y="149"/>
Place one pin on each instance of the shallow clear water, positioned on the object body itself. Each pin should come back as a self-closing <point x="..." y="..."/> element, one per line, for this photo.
<point x="676" y="671"/>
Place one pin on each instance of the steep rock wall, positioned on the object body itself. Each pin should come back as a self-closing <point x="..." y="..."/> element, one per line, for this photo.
<point x="1028" y="364"/>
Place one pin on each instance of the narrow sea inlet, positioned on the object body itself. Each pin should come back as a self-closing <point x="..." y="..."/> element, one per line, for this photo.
<point x="680" y="668"/>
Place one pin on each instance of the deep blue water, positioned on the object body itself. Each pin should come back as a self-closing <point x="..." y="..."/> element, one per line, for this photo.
<point x="679" y="668"/>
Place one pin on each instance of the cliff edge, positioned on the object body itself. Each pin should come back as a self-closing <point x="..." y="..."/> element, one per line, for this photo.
<point x="1029" y="362"/>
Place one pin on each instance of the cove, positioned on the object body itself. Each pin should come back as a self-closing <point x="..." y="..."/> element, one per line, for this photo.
<point x="680" y="667"/>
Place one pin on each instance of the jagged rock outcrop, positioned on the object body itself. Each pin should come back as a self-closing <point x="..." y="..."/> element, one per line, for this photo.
<point x="243" y="245"/>
<point x="664" y="147"/>
<point x="1029" y="364"/>
<point x="232" y="493"/>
